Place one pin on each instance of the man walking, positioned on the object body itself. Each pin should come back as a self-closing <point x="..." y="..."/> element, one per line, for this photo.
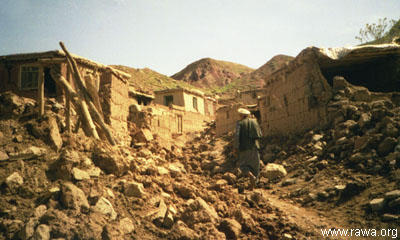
<point x="248" y="133"/>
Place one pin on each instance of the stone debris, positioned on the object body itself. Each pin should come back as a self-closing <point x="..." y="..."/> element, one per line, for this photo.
<point x="134" y="189"/>
<point x="79" y="174"/>
<point x="105" y="207"/>
<point x="273" y="171"/>
<point x="14" y="180"/>
<point x="73" y="197"/>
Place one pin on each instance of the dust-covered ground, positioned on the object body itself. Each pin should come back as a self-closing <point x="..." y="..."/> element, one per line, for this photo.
<point x="57" y="185"/>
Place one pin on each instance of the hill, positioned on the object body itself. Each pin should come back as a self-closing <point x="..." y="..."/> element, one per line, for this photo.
<point x="147" y="80"/>
<point x="255" y="79"/>
<point x="211" y="73"/>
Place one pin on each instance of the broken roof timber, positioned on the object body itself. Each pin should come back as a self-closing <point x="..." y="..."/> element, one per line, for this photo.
<point x="58" y="56"/>
<point x="331" y="57"/>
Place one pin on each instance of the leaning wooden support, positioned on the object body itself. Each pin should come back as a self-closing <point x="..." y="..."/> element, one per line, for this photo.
<point x="80" y="105"/>
<point x="41" y="92"/>
<point x="96" y="115"/>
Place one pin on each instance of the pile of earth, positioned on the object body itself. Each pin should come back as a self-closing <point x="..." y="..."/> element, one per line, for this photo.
<point x="60" y="185"/>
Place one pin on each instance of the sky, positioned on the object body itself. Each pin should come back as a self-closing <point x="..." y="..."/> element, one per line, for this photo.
<point x="167" y="35"/>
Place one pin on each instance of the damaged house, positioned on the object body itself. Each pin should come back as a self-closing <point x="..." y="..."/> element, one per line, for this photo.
<point x="28" y="75"/>
<point x="296" y="96"/>
<point x="173" y="113"/>
<point x="227" y="115"/>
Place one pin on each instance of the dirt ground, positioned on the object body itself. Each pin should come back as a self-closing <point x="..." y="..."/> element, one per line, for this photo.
<point x="86" y="189"/>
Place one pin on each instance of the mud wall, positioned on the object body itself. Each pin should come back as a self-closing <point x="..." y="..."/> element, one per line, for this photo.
<point x="177" y="94"/>
<point x="115" y="103"/>
<point x="296" y="98"/>
<point x="189" y="105"/>
<point x="226" y="119"/>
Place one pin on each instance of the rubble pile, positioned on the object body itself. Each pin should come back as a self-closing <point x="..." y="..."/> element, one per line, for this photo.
<point x="82" y="188"/>
<point x="352" y="164"/>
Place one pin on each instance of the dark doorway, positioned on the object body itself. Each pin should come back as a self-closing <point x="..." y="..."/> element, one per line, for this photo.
<point x="50" y="88"/>
<point x="381" y="74"/>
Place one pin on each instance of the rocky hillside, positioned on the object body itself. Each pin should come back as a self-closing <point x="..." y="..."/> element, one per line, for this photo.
<point x="257" y="77"/>
<point x="147" y="80"/>
<point x="211" y="73"/>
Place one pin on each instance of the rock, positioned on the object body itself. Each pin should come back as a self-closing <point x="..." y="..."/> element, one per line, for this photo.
<point x="40" y="211"/>
<point x="273" y="171"/>
<point x="108" y="159"/>
<point x="387" y="217"/>
<point x="29" y="153"/>
<point x="162" y="171"/>
<point x="176" y="168"/>
<point x="289" y="181"/>
<point x="322" y="164"/>
<point x="184" y="231"/>
<point x="208" y="209"/>
<point x="29" y="229"/>
<point x="79" y="174"/>
<point x="94" y="172"/>
<point x="361" y="94"/>
<point x="42" y="232"/>
<point x="394" y="204"/>
<point x="134" y="189"/>
<point x="54" y="134"/>
<point x="357" y="158"/>
<point x="361" y="142"/>
<point x="386" y="146"/>
<point x="317" y="137"/>
<point x="126" y="225"/>
<point x="14" y="180"/>
<point x="145" y="153"/>
<point x="105" y="207"/>
<point x="183" y="191"/>
<point x="229" y="177"/>
<point x="168" y="220"/>
<point x="287" y="236"/>
<point x="18" y="139"/>
<point x="73" y="197"/>
<point x="364" y="119"/>
<point x="158" y="219"/>
<point x="377" y="204"/>
<point x="144" y="135"/>
<point x="231" y="228"/>
<point x="3" y="156"/>
<point x="339" y="83"/>
<point x="391" y="131"/>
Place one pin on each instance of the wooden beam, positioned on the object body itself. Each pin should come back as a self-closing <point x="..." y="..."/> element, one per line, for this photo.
<point x="68" y="104"/>
<point x="78" y="101"/>
<point x="40" y="96"/>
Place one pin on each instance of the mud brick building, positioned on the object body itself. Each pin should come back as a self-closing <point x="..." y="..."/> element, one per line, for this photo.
<point x="191" y="100"/>
<point x="23" y="73"/>
<point x="296" y="96"/>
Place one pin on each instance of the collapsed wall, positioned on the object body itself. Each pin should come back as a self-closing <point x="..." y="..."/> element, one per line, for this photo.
<point x="166" y="122"/>
<point x="295" y="97"/>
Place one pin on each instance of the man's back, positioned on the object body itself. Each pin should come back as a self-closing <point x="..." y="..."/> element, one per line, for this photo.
<point x="249" y="132"/>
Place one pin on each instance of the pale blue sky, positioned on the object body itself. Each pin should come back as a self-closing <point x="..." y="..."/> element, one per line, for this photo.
<point x="167" y="35"/>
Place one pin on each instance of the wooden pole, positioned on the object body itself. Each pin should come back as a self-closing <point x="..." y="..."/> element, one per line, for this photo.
<point x="80" y="105"/>
<point x="78" y="100"/>
<point x="68" y="104"/>
<point x="41" y="91"/>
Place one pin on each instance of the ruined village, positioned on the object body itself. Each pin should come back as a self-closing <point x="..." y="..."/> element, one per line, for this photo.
<point x="88" y="153"/>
